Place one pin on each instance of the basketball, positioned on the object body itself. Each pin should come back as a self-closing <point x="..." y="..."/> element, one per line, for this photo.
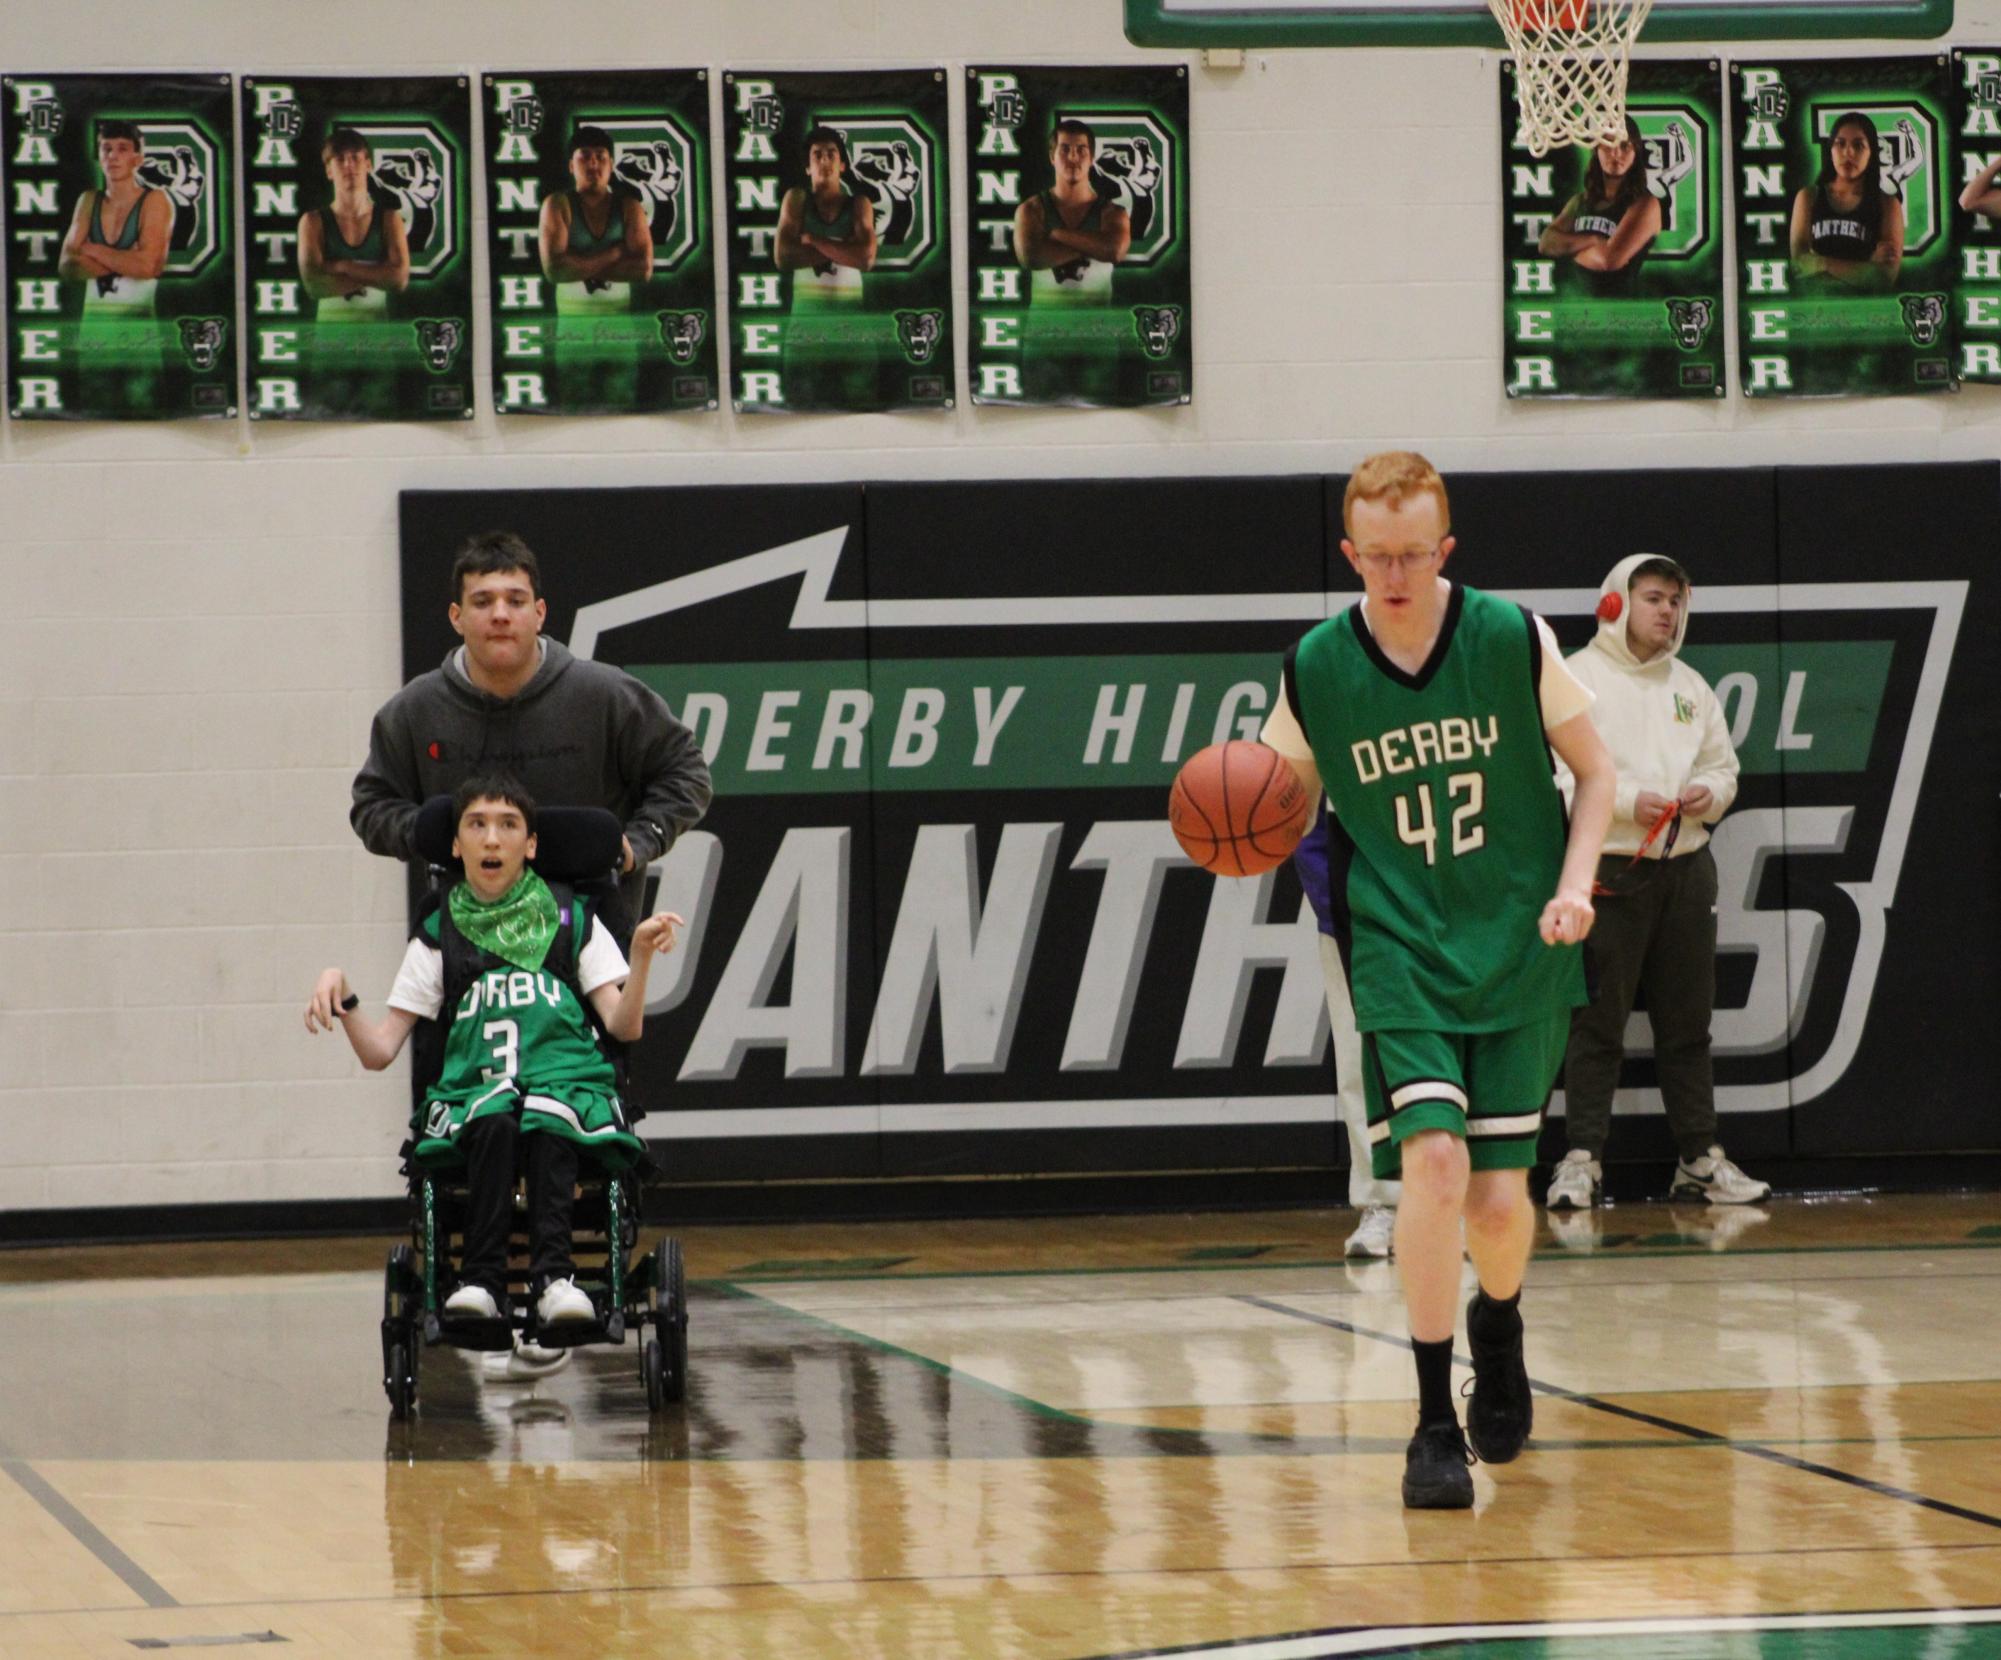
<point x="1237" y="808"/>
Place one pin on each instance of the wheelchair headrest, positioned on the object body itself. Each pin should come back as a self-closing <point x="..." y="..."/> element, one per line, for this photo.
<point x="572" y="844"/>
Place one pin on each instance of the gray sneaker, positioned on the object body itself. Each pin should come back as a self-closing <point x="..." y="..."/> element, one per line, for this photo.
<point x="1715" y="1179"/>
<point x="1577" y="1183"/>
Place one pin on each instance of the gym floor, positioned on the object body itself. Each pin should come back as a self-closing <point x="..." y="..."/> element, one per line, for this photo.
<point x="1758" y="1433"/>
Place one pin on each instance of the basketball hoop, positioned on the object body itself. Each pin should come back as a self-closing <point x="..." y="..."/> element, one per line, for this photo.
<point x="1570" y="66"/>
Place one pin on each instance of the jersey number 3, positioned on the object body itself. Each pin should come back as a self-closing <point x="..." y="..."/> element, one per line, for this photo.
<point x="1419" y="828"/>
<point x="506" y="1039"/>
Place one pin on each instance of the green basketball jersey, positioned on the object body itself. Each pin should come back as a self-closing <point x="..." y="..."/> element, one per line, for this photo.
<point x="527" y="1027"/>
<point x="1448" y="832"/>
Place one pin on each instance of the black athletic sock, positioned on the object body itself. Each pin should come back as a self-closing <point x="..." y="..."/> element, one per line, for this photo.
<point x="1434" y="1382"/>
<point x="1492" y="1319"/>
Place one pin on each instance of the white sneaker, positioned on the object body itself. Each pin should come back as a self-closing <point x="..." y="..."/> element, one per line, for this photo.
<point x="564" y="1300"/>
<point x="1715" y="1178"/>
<point x="524" y="1363"/>
<point x="1575" y="1230"/>
<point x="1376" y="1235"/>
<point x="1576" y="1183"/>
<point x="472" y="1302"/>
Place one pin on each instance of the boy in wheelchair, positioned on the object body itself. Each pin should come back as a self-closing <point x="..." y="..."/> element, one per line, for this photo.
<point x="523" y="1069"/>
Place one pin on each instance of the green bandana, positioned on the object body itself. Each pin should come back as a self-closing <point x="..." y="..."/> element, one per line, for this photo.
<point x="518" y="927"/>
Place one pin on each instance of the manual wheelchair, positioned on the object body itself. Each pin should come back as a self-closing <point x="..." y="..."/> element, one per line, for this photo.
<point x="629" y="1292"/>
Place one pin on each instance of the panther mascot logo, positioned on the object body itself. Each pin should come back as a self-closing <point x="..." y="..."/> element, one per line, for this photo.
<point x="1924" y="317"/>
<point x="201" y="340"/>
<point x="439" y="338"/>
<point x="412" y="180"/>
<point x="1158" y="327"/>
<point x="1689" y="321"/>
<point x="682" y="333"/>
<point x="920" y="332"/>
<point x="178" y="172"/>
<point x="888" y="175"/>
<point x="1128" y="172"/>
<point x="652" y="172"/>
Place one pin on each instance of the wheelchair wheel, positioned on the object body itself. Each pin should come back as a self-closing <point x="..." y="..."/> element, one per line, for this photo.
<point x="399" y="1341"/>
<point x="674" y="1304"/>
<point x="401" y="1379"/>
<point x="668" y="1296"/>
<point x="652" y="1367"/>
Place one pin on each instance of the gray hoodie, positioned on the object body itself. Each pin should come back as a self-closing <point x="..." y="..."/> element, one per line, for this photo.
<point x="579" y="734"/>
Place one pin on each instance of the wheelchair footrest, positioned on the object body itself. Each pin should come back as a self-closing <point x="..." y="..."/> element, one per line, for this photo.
<point x="574" y="1334"/>
<point x="473" y="1333"/>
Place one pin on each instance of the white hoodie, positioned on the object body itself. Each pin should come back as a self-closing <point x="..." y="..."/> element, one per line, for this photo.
<point x="1659" y="719"/>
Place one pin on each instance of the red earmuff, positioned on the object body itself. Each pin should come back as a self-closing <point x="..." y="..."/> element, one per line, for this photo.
<point x="1610" y="606"/>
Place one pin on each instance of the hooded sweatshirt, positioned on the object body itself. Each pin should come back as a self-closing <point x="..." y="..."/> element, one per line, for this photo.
<point x="1662" y="723"/>
<point x="579" y="734"/>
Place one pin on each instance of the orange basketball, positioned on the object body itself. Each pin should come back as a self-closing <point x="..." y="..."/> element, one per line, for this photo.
<point x="1237" y="809"/>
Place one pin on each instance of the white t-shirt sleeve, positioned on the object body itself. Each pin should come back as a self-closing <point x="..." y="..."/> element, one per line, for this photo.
<point x="1282" y="730"/>
<point x="600" y="963"/>
<point x="1563" y="695"/>
<point x="420" y="981"/>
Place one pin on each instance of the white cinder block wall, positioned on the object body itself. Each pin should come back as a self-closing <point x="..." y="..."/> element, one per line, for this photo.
<point x="201" y="619"/>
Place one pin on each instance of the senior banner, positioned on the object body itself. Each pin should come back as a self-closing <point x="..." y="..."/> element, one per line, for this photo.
<point x="1976" y="181"/>
<point x="1844" y="203"/>
<point x="839" y="248"/>
<point x="600" y="251"/>
<point x="1614" y="252"/>
<point x="1077" y="236"/>
<point x="358" y="247"/>
<point x="121" y="299"/>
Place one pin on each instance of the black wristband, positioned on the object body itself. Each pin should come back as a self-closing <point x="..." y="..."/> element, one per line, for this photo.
<point x="348" y="1004"/>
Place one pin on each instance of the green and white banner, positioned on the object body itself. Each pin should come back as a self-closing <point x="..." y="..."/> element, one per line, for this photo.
<point x="599" y="241"/>
<point x="1077" y="236"/>
<point x="1844" y="202"/>
<point x="839" y="249"/>
<point x="1976" y="183"/>
<point x="121" y="298"/>
<point x="359" y="247"/>
<point x="1614" y="252"/>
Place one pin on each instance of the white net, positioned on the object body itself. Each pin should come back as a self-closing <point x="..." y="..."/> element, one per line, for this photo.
<point x="1570" y="66"/>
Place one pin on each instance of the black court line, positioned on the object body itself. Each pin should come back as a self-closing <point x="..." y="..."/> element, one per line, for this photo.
<point x="1750" y="1449"/>
<point x="86" y="1533"/>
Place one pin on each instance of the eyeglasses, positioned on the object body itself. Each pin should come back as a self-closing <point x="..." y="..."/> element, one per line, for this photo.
<point x="1383" y="563"/>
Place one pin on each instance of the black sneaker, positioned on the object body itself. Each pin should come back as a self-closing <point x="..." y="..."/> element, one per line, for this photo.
<point x="1435" y="1474"/>
<point x="1502" y="1410"/>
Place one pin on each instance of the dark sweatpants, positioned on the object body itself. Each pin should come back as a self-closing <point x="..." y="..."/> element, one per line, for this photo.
<point x="492" y="1148"/>
<point x="1662" y="938"/>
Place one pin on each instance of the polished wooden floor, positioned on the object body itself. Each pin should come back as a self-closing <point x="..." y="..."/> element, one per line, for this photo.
<point x="1758" y="1434"/>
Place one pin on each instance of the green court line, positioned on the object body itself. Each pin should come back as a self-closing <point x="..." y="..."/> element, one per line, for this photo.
<point x="1692" y="1249"/>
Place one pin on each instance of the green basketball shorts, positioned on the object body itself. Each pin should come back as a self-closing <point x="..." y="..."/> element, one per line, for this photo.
<point x="1488" y="1088"/>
